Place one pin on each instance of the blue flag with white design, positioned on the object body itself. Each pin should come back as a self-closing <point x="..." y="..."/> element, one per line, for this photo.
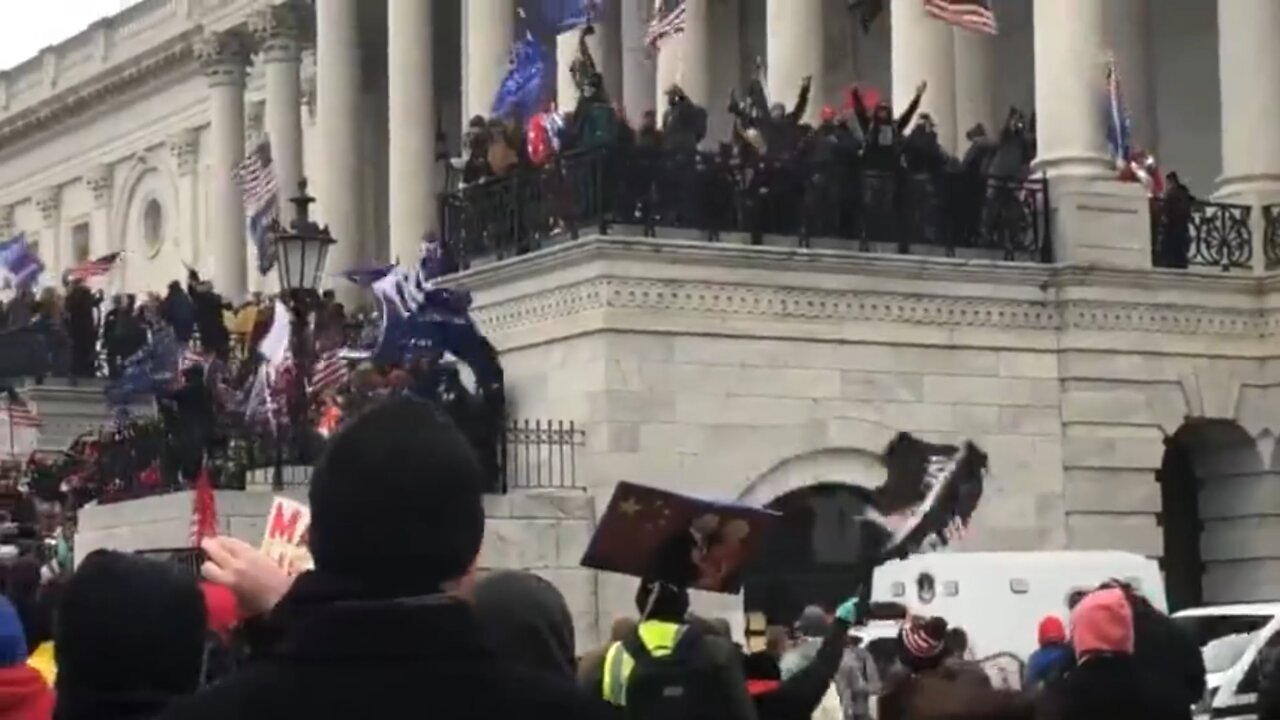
<point x="19" y="261"/>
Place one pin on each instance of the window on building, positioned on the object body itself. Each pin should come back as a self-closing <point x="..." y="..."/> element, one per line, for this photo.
<point x="80" y="242"/>
<point x="153" y="226"/>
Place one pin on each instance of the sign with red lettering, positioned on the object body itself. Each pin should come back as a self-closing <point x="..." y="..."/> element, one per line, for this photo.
<point x="285" y="540"/>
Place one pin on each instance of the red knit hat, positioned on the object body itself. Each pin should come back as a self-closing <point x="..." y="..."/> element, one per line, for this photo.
<point x="1051" y="631"/>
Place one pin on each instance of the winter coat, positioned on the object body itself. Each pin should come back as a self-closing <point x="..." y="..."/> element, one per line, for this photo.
<point x="946" y="694"/>
<point x="1110" y="687"/>
<point x="344" y="658"/>
<point x="178" y="310"/>
<point x="858" y="680"/>
<point x="24" y="694"/>
<point x="796" y="697"/>
<point x="1046" y="663"/>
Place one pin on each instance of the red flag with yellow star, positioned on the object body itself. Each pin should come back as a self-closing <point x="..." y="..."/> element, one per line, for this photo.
<point x="660" y="535"/>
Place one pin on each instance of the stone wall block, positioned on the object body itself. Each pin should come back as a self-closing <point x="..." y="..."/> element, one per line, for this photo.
<point x="1115" y="531"/>
<point x="552" y="505"/>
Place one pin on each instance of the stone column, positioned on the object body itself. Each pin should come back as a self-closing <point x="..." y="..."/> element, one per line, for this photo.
<point x="639" y="74"/>
<point x="686" y="60"/>
<point x="49" y="202"/>
<point x="606" y="48"/>
<point x="224" y="56"/>
<point x="1249" y="62"/>
<point x="98" y="182"/>
<point x="7" y="225"/>
<point x="412" y="117"/>
<point x="338" y="123"/>
<point x="923" y="50"/>
<point x="1095" y="218"/>
<point x="1126" y="33"/>
<point x="975" y="84"/>
<point x="1070" y="71"/>
<point x="488" y="32"/>
<point x="795" y="51"/>
<point x="280" y="30"/>
<point x="184" y="151"/>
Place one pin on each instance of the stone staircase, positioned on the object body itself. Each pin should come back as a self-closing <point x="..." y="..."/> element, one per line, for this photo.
<point x="69" y="410"/>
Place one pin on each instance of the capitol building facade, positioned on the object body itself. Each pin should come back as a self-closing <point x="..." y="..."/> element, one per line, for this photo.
<point x="1123" y="406"/>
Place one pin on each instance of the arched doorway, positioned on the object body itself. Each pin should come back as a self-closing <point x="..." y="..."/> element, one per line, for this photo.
<point x="1214" y="503"/>
<point x="808" y="556"/>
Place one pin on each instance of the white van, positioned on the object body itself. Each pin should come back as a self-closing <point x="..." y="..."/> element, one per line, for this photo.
<point x="1231" y="637"/>
<point x="999" y="598"/>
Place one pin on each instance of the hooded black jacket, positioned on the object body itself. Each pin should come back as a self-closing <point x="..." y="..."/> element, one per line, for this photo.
<point x="412" y="657"/>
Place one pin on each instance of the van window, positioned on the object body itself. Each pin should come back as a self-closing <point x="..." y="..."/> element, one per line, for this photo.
<point x="1223" y="639"/>
<point x="1263" y="663"/>
<point x="1019" y="586"/>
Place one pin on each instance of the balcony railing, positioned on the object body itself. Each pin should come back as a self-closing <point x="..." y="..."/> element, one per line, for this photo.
<point x="942" y="213"/>
<point x="1206" y="234"/>
<point x="1271" y="240"/>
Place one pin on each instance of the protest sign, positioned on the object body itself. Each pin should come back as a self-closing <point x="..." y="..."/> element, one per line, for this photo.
<point x="285" y="539"/>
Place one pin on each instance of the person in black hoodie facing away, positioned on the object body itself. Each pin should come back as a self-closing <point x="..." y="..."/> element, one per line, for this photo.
<point x="1108" y="681"/>
<point x="527" y="621"/>
<point x="129" y="638"/>
<point x="178" y="310"/>
<point x="382" y="627"/>
<point x="807" y="682"/>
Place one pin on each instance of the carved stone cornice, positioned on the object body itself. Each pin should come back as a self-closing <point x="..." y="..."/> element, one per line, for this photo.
<point x="98" y="182"/>
<point x="184" y="148"/>
<point x="281" y="30"/>
<point x="6" y="221"/>
<point x="74" y="102"/>
<point x="673" y="279"/>
<point x="223" y="56"/>
<point x="48" y="201"/>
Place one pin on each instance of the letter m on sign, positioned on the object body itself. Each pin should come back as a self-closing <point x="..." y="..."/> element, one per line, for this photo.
<point x="284" y="523"/>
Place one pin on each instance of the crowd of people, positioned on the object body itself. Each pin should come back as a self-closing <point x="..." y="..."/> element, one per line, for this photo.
<point x="396" y="619"/>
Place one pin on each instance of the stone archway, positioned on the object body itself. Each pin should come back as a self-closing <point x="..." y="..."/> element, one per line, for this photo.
<point x="1219" y="515"/>
<point x="807" y="557"/>
<point x="144" y="219"/>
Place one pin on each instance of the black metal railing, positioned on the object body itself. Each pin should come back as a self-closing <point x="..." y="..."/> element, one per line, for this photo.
<point x="188" y="559"/>
<point x="942" y="213"/>
<point x="541" y="454"/>
<point x="1271" y="238"/>
<point x="1201" y="233"/>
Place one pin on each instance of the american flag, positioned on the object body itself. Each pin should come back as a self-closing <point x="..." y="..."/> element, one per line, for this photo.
<point x="975" y="15"/>
<point x="330" y="372"/>
<point x="20" y="413"/>
<point x="1117" y="116"/>
<point x="668" y="20"/>
<point x="204" y="510"/>
<point x="256" y="177"/>
<point x="90" y="269"/>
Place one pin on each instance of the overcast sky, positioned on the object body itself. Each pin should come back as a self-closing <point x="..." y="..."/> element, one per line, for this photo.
<point x="28" y="26"/>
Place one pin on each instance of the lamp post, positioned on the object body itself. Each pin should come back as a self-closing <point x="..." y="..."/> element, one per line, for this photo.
<point x="301" y="251"/>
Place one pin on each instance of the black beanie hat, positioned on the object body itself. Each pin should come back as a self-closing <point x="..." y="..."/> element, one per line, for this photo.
<point x="396" y="501"/>
<point x="130" y="631"/>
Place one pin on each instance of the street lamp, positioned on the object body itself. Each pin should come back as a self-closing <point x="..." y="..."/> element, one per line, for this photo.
<point x="301" y="251"/>
<point x="302" y="248"/>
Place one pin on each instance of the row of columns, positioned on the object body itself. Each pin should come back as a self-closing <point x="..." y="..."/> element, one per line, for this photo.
<point x="1071" y="40"/>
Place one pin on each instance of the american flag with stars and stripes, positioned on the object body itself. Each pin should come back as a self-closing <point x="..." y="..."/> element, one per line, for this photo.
<point x="191" y="357"/>
<point x="330" y="372"/>
<point x="256" y="177"/>
<point x="669" y="19"/>
<point x="90" y="269"/>
<point x="975" y="15"/>
<point x="20" y="413"/>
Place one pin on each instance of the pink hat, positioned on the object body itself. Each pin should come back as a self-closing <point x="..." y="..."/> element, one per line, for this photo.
<point x="1102" y="623"/>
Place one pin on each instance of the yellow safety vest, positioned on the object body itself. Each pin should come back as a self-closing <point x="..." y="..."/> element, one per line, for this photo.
<point x="659" y="638"/>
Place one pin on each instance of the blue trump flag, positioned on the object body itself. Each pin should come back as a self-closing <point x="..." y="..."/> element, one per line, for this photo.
<point x="558" y="16"/>
<point x="525" y="86"/>
<point x="151" y="369"/>
<point x="20" y="262"/>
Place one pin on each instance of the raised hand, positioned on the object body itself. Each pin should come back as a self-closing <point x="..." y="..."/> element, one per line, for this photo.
<point x="257" y="581"/>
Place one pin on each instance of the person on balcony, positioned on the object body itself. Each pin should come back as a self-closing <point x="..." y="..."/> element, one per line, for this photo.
<point x="1175" y="223"/>
<point x="82" y="327"/>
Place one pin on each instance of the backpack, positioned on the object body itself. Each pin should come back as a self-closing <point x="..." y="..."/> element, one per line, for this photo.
<point x="682" y="685"/>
